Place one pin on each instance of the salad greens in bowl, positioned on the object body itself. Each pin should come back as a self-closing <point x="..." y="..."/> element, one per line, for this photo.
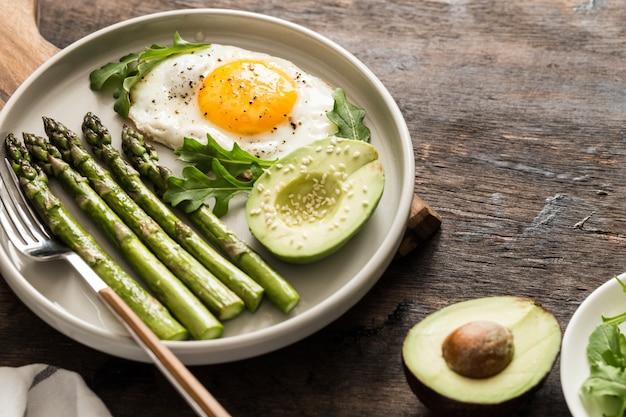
<point x="593" y="355"/>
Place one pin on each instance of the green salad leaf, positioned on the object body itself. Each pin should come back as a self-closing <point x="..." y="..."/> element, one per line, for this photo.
<point x="606" y="352"/>
<point x="348" y="118"/>
<point x="237" y="162"/>
<point x="196" y="187"/>
<point x="125" y="73"/>
<point x="214" y="173"/>
<point x="607" y="345"/>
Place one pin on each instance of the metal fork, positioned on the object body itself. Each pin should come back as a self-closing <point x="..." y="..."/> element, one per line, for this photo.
<point x="30" y="236"/>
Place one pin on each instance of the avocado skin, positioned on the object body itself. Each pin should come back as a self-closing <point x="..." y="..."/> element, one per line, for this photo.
<point x="448" y="407"/>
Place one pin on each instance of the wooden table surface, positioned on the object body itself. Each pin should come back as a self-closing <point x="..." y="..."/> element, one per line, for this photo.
<point x="516" y="111"/>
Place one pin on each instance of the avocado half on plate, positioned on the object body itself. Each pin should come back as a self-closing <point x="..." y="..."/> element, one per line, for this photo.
<point x="313" y="200"/>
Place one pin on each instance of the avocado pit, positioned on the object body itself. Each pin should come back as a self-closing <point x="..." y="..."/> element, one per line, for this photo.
<point x="478" y="349"/>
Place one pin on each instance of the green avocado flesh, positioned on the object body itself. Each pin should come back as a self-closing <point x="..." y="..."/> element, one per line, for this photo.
<point x="536" y="339"/>
<point x="313" y="200"/>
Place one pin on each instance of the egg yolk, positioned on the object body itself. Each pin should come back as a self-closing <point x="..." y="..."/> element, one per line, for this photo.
<point x="247" y="97"/>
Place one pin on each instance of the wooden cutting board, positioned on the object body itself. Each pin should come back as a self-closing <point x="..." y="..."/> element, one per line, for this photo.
<point x="23" y="50"/>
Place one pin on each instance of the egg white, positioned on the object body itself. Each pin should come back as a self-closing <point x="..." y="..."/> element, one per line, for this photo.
<point x="164" y="104"/>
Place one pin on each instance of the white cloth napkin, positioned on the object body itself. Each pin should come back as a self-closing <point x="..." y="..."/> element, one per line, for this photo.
<point x="46" y="391"/>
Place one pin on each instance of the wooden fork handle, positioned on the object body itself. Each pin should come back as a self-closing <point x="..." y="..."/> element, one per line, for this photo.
<point x="179" y="375"/>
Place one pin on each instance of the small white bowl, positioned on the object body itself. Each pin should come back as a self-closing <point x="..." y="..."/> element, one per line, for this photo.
<point x="608" y="300"/>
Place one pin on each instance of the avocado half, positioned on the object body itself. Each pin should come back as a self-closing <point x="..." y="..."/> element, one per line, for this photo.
<point x="313" y="200"/>
<point x="527" y="356"/>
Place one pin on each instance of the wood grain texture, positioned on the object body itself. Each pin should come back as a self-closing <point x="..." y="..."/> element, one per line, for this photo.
<point x="20" y="59"/>
<point x="516" y="111"/>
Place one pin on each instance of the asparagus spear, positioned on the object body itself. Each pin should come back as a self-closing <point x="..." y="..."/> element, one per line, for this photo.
<point x="213" y="293"/>
<point x="145" y="159"/>
<point x="186" y="307"/>
<point x="34" y="183"/>
<point x="98" y="136"/>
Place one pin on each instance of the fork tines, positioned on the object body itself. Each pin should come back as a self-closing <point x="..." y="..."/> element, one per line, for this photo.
<point x="20" y="222"/>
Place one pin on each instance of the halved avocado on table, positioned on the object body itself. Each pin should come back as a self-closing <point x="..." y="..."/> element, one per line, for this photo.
<point x="482" y="357"/>
<point x="312" y="201"/>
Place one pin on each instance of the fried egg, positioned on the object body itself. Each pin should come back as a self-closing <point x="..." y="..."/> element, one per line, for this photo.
<point x="265" y="104"/>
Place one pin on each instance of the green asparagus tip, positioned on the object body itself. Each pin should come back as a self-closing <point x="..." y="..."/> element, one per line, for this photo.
<point x="134" y="142"/>
<point x="14" y="151"/>
<point x="96" y="134"/>
<point x="59" y="134"/>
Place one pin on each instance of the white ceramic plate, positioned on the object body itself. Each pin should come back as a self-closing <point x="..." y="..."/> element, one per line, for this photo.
<point x="608" y="300"/>
<point x="60" y="89"/>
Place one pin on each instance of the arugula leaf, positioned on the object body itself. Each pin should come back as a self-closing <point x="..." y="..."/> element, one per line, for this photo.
<point x="236" y="161"/>
<point x="216" y="173"/>
<point x="125" y="73"/>
<point x="348" y="118"/>
<point x="196" y="187"/>
<point x="112" y="70"/>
